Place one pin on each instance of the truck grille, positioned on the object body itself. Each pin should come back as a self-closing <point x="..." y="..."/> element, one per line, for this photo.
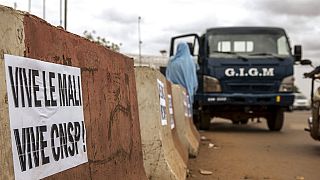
<point x="249" y="88"/>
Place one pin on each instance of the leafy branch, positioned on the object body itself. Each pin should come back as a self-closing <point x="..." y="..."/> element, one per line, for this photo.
<point x="101" y="40"/>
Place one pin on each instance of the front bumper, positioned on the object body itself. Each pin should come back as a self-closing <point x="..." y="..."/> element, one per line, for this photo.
<point x="278" y="99"/>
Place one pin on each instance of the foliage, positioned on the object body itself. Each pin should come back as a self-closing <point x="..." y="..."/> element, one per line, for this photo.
<point x="101" y="40"/>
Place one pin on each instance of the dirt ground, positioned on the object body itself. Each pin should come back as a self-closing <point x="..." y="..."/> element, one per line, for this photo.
<point x="250" y="151"/>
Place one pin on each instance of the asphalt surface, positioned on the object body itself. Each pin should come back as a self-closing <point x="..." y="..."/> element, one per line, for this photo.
<point x="251" y="151"/>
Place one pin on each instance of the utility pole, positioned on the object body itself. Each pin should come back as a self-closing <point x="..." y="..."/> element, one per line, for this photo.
<point x="61" y="13"/>
<point x="29" y="6"/>
<point x="139" y="38"/>
<point x="44" y="9"/>
<point x="65" y="14"/>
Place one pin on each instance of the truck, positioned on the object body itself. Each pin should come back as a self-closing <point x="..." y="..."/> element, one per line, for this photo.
<point x="314" y="119"/>
<point x="243" y="73"/>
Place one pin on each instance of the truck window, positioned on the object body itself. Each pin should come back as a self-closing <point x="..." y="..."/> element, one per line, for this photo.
<point x="243" y="46"/>
<point x="239" y="46"/>
<point x="224" y="46"/>
<point x="248" y="44"/>
<point x="283" y="49"/>
<point x="191" y="41"/>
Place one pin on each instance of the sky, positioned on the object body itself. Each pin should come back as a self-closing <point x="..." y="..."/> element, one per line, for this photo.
<point x="117" y="21"/>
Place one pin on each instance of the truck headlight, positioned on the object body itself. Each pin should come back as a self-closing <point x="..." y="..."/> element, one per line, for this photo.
<point x="287" y="84"/>
<point x="211" y="84"/>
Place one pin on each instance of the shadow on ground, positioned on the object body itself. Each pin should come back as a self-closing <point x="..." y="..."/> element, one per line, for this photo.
<point x="251" y="127"/>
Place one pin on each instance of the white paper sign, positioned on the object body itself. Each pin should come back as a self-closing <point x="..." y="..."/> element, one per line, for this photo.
<point x="171" y="111"/>
<point x="46" y="117"/>
<point x="162" y="98"/>
<point x="189" y="106"/>
<point x="185" y="103"/>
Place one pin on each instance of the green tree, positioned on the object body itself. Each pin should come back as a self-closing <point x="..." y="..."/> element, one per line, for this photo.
<point x="101" y="40"/>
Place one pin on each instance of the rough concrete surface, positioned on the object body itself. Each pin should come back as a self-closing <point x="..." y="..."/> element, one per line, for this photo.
<point x="185" y="128"/>
<point x="11" y="42"/>
<point x="110" y="104"/>
<point x="192" y="126"/>
<point x="183" y="150"/>
<point x="161" y="159"/>
<point x="109" y="93"/>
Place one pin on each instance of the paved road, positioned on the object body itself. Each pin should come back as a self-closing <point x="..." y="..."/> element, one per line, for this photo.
<point x="252" y="152"/>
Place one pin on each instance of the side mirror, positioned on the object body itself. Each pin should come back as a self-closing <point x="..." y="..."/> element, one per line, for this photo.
<point x="306" y="62"/>
<point x="297" y="52"/>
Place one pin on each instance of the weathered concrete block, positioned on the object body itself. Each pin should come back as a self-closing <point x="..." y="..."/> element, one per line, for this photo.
<point x="108" y="89"/>
<point x="183" y="150"/>
<point x="11" y="42"/>
<point x="161" y="158"/>
<point x="187" y="133"/>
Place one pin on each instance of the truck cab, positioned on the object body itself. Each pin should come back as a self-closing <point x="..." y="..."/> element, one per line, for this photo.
<point x="243" y="73"/>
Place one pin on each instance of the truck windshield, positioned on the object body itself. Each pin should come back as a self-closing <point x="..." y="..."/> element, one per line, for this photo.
<point x="248" y="44"/>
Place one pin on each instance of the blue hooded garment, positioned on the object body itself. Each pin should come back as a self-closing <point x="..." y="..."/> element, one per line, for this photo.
<point x="182" y="70"/>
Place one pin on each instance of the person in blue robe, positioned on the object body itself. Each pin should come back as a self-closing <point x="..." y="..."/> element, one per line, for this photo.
<point x="181" y="69"/>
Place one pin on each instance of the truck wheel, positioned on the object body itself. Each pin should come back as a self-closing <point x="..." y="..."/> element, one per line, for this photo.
<point x="244" y="121"/>
<point x="196" y="120"/>
<point x="275" y="120"/>
<point x="314" y="130"/>
<point x="204" y="121"/>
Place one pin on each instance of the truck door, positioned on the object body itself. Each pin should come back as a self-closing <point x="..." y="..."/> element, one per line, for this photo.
<point x="192" y="40"/>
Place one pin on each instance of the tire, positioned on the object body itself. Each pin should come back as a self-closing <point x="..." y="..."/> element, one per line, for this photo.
<point x="204" y="123"/>
<point x="275" y="120"/>
<point x="314" y="129"/>
<point x="235" y="122"/>
<point x="244" y="121"/>
<point x="196" y="120"/>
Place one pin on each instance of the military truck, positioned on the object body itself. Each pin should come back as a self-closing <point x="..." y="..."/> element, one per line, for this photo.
<point x="243" y="73"/>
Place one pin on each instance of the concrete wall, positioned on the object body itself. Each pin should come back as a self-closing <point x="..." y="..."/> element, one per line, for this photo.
<point x="183" y="150"/>
<point x="186" y="130"/>
<point x="109" y="93"/>
<point x="161" y="158"/>
<point x="11" y="42"/>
